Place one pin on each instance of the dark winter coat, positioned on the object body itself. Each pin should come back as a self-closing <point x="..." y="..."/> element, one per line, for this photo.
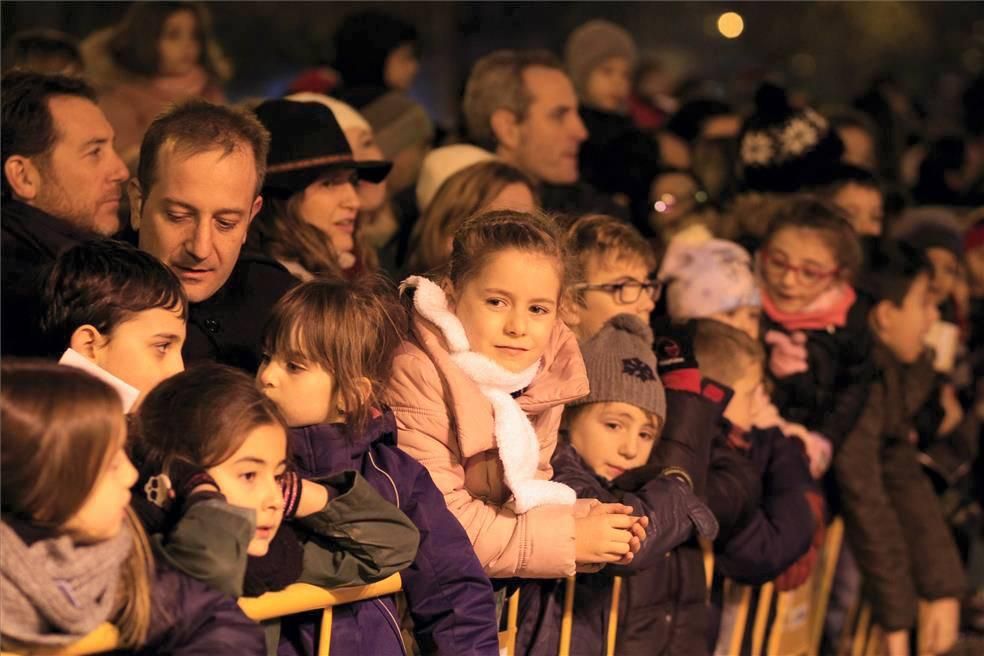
<point x="618" y="158"/>
<point x="764" y="543"/>
<point x="829" y="397"/>
<point x="228" y="326"/>
<point x="892" y="518"/>
<point x="654" y="602"/>
<point x="450" y="599"/>
<point x="30" y="241"/>
<point x="193" y="618"/>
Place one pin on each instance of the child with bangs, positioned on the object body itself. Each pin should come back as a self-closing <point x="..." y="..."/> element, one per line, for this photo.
<point x="478" y="389"/>
<point x="813" y="323"/>
<point x="222" y="504"/>
<point x="117" y="313"/>
<point x="714" y="280"/>
<point x="329" y="349"/>
<point x="604" y="435"/>
<point x="74" y="556"/>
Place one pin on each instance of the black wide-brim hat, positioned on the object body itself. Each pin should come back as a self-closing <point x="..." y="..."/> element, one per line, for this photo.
<point x="305" y="143"/>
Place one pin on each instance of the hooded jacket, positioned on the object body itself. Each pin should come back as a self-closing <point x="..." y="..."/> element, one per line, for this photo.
<point x="447" y="424"/>
<point x="450" y="598"/>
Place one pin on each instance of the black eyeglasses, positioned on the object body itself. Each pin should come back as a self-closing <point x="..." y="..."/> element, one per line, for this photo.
<point x="626" y="292"/>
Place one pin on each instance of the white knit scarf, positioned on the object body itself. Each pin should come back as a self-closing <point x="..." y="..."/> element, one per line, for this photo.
<point x="519" y="448"/>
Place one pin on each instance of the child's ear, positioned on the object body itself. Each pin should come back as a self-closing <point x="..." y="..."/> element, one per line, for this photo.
<point x="87" y="341"/>
<point x="568" y="311"/>
<point x="882" y="315"/>
<point x="364" y="386"/>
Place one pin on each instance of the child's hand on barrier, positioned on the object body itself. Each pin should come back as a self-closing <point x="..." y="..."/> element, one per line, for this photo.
<point x="897" y="643"/>
<point x="939" y="625"/>
<point x="604" y="537"/>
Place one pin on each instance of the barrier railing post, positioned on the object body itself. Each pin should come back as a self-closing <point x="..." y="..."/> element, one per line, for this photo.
<point x="567" y="621"/>
<point x="613" y="615"/>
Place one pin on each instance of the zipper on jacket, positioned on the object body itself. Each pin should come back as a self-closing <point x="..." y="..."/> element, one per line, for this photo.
<point x="396" y="492"/>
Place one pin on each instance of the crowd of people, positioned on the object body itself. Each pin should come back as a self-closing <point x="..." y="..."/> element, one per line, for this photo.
<point x="609" y="326"/>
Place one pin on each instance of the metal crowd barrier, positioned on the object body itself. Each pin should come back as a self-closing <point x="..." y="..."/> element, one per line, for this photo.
<point x="295" y="598"/>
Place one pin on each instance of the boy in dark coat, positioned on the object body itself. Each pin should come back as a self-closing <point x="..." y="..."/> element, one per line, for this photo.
<point x="893" y="521"/>
<point x="610" y="431"/>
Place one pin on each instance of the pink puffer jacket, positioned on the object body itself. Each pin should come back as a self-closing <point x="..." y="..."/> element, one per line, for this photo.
<point x="447" y="424"/>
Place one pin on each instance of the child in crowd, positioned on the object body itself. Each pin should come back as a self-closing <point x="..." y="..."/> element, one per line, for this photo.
<point x="857" y="193"/>
<point x="478" y="391"/>
<point x="161" y="53"/>
<point x="78" y="558"/>
<point x="894" y="524"/>
<point x="120" y="314"/>
<point x="609" y="432"/>
<point x="617" y="158"/>
<point x="481" y="187"/>
<point x="617" y="264"/>
<point x="714" y="280"/>
<point x="774" y="541"/>
<point x="224" y="507"/>
<point x="816" y="332"/>
<point x="309" y="219"/>
<point x="329" y="349"/>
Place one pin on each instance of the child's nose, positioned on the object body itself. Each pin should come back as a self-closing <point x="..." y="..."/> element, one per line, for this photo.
<point x="629" y="448"/>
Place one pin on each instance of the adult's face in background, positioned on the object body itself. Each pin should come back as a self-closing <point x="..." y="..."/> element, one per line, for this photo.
<point x="196" y="215"/>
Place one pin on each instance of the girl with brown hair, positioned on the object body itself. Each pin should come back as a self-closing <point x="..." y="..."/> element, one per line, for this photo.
<point x="329" y="353"/>
<point x="224" y="506"/>
<point x="73" y="554"/>
<point x="478" y="390"/>
<point x="161" y="53"/>
<point x="484" y="186"/>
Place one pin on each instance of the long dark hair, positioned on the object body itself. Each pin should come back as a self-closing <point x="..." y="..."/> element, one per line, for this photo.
<point x="135" y="41"/>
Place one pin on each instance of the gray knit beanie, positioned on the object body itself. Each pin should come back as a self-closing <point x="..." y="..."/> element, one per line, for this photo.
<point x="398" y="122"/>
<point x="622" y="366"/>
<point x="593" y="43"/>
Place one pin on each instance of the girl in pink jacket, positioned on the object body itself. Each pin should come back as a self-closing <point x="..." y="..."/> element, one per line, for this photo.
<point x="478" y="390"/>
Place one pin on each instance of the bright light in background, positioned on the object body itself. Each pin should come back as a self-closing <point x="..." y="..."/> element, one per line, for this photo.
<point x="730" y="25"/>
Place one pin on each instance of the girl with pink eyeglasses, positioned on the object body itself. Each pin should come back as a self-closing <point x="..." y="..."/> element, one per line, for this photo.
<point x="813" y="324"/>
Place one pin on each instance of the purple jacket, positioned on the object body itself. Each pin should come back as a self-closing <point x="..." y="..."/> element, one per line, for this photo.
<point x="449" y="597"/>
<point x="190" y="617"/>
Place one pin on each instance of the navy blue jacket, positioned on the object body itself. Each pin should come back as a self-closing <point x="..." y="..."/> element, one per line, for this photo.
<point x="656" y="599"/>
<point x="774" y="535"/>
<point x="190" y="617"/>
<point x="449" y="596"/>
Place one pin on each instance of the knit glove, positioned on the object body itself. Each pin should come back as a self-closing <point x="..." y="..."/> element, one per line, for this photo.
<point x="675" y="359"/>
<point x="798" y="573"/>
<point x="290" y="486"/>
<point x="788" y="355"/>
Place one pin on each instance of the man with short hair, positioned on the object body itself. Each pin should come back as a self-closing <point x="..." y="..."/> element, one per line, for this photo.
<point x="62" y="183"/>
<point x="521" y="105"/>
<point x="193" y="199"/>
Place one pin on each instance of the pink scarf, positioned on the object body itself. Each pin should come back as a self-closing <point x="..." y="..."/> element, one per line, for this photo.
<point x="829" y="309"/>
